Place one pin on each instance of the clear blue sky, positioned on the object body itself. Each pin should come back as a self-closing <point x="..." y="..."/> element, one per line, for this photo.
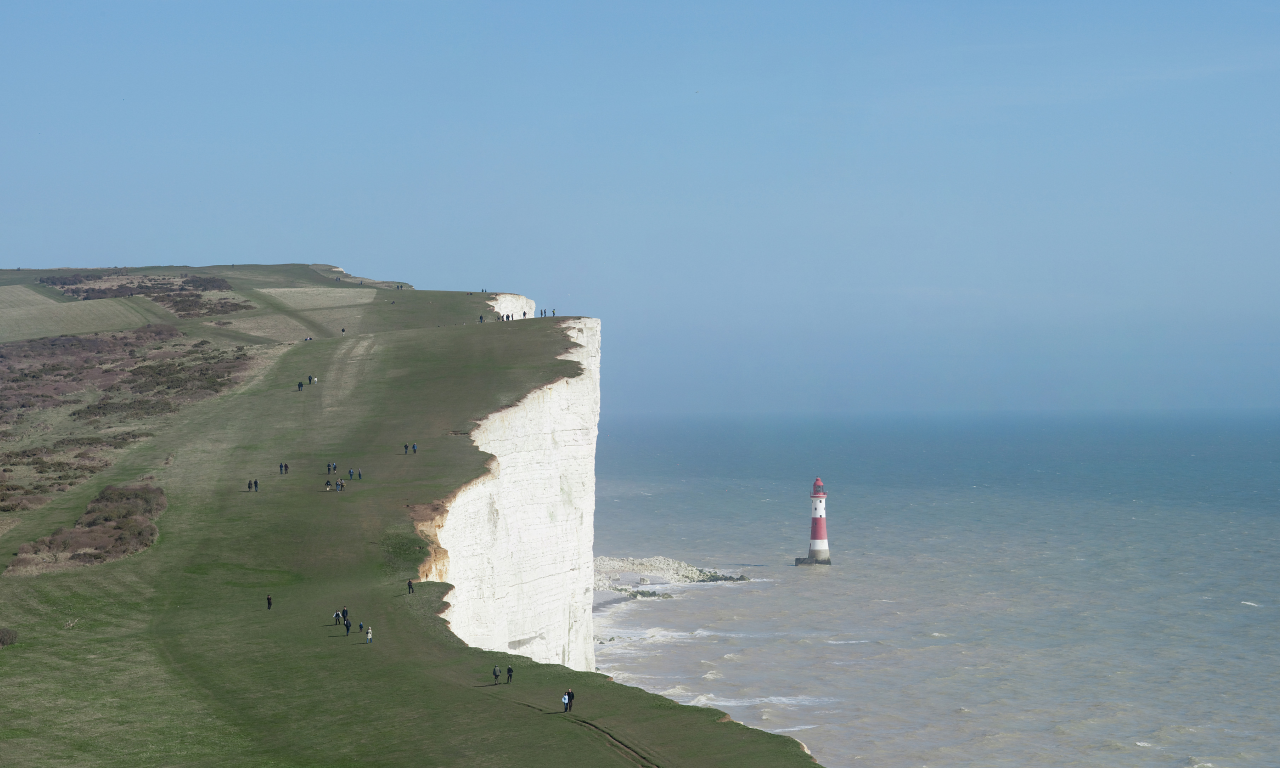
<point x="792" y="207"/>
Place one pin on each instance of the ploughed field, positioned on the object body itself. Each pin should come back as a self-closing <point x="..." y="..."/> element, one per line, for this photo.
<point x="157" y="647"/>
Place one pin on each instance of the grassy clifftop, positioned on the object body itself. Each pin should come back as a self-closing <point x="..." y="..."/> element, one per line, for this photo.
<point x="169" y="656"/>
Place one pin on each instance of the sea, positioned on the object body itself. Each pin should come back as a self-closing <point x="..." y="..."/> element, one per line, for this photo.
<point x="1097" y="590"/>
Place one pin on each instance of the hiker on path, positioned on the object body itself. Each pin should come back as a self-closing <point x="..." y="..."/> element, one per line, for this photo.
<point x="570" y="695"/>
<point x="348" y="623"/>
<point x="510" y="672"/>
<point x="337" y="618"/>
<point x="411" y="586"/>
<point x="369" y="637"/>
<point x="496" y="672"/>
<point x="565" y="701"/>
<point x="268" y="602"/>
<point x="415" y="447"/>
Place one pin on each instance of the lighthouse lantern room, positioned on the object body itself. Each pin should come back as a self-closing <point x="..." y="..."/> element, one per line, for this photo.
<point x="819" y="552"/>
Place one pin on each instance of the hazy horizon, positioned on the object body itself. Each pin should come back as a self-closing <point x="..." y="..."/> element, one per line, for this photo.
<point x="812" y="208"/>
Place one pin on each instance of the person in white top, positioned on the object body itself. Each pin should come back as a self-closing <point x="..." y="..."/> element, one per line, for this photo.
<point x="369" y="635"/>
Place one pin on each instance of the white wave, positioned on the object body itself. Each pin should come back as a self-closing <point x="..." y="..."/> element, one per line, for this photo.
<point x="797" y="728"/>
<point x="846" y="642"/>
<point x="712" y="700"/>
<point x="1246" y="602"/>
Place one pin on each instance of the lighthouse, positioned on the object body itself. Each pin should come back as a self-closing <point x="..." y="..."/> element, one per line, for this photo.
<point x="819" y="552"/>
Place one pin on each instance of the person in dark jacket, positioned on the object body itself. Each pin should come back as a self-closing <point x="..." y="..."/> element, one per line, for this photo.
<point x="268" y="602"/>
<point x="570" y="695"/>
<point x="510" y="672"/>
<point x="411" y="586"/>
<point x="348" y="623"/>
<point x="255" y="486"/>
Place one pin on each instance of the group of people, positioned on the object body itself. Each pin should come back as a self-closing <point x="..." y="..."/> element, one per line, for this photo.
<point x="341" y="617"/>
<point x="284" y="468"/>
<point x="253" y="485"/>
<point x="497" y="671"/>
<point x="406" y="448"/>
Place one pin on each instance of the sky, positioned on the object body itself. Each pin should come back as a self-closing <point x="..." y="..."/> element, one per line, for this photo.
<point x="781" y="208"/>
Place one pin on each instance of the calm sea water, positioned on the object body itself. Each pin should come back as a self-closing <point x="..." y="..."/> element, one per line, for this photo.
<point x="1038" y="591"/>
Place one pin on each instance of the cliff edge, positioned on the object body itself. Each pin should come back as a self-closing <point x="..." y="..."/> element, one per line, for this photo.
<point x="516" y="543"/>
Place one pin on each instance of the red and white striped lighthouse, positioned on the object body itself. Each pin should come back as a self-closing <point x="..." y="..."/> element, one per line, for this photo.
<point x="819" y="552"/>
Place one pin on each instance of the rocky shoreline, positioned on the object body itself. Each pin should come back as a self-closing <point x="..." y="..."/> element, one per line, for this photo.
<point x="618" y="579"/>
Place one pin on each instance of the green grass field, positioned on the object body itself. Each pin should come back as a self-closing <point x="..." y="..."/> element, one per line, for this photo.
<point x="170" y="657"/>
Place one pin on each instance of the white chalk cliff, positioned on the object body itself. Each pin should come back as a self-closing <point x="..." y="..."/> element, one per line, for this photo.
<point x="516" y="543"/>
<point x="513" y="304"/>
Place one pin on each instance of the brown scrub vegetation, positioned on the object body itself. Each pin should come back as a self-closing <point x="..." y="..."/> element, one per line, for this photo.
<point x="118" y="523"/>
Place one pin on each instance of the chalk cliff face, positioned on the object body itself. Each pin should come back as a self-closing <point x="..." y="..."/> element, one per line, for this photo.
<point x="516" y="543"/>
<point x="513" y="304"/>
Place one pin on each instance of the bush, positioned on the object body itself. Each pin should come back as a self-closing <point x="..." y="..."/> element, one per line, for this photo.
<point x="8" y="636"/>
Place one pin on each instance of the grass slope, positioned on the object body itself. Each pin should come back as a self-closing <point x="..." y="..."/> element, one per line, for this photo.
<point x="169" y="657"/>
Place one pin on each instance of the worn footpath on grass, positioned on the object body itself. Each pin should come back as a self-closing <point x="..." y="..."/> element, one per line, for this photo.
<point x="169" y="656"/>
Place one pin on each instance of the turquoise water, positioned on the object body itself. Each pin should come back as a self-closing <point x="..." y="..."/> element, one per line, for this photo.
<point x="1049" y="592"/>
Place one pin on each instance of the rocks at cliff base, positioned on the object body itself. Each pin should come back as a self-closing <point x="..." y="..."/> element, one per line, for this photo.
<point x="625" y="574"/>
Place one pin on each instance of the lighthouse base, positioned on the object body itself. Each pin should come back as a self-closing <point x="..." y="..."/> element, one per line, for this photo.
<point x="813" y="561"/>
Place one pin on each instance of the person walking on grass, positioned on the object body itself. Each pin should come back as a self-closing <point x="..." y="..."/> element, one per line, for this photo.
<point x="406" y="449"/>
<point x="570" y="695"/>
<point x="351" y="474"/>
<point x="369" y="637"/>
<point x="255" y="486"/>
<point x="251" y="485"/>
<point x="348" y="623"/>
<point x="510" y="672"/>
<point x="268" y="602"/>
<point x="308" y="379"/>
<point x="337" y="618"/>
<point x="286" y="469"/>
<point x="299" y="386"/>
<point x="411" y="586"/>
<point x="565" y="701"/>
<point x="344" y="614"/>
<point x="359" y="475"/>
<point x="282" y="467"/>
<point x="496" y="672"/>
<point x="415" y="447"/>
